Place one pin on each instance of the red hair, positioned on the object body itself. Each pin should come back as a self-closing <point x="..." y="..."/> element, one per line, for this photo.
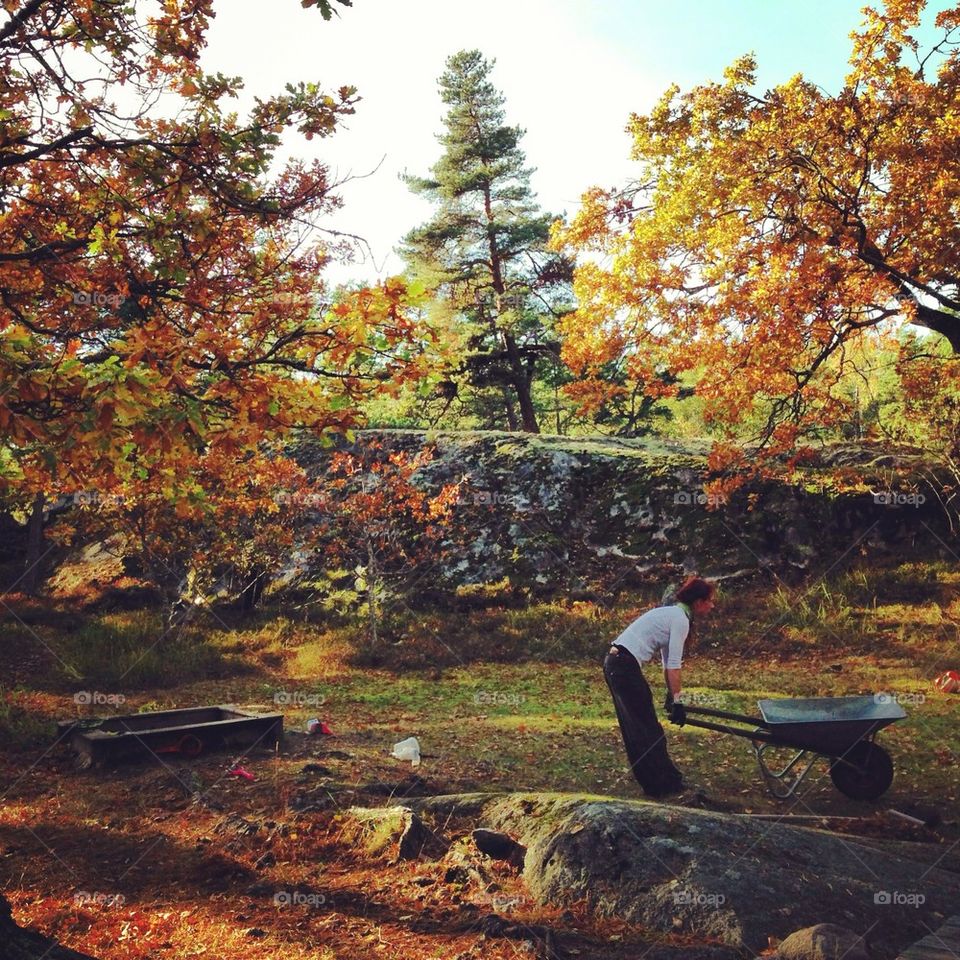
<point x="696" y="588"/>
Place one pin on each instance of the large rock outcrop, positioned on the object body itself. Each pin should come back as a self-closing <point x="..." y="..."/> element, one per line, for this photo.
<point x="557" y="513"/>
<point x="713" y="875"/>
<point x="541" y="515"/>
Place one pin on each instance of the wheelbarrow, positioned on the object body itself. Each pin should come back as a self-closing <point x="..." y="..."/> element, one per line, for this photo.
<point x="839" y="729"/>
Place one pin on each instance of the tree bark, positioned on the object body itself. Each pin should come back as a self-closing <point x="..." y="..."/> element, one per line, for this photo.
<point x="33" y="566"/>
<point x="942" y="321"/>
<point x="521" y="385"/>
<point x="946" y="324"/>
<point x="372" y="583"/>
<point x="252" y="591"/>
<point x="508" y="408"/>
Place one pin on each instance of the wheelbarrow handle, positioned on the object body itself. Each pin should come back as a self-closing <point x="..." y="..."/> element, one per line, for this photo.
<point x="761" y="736"/>
<point x="723" y="715"/>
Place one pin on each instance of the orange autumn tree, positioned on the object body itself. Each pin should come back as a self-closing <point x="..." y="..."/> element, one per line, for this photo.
<point x="231" y="527"/>
<point x="767" y="233"/>
<point x="382" y="527"/>
<point x="162" y="306"/>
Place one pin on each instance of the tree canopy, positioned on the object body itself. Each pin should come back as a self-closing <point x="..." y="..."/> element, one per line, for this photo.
<point x="161" y="290"/>
<point x="484" y="251"/>
<point x="766" y="232"/>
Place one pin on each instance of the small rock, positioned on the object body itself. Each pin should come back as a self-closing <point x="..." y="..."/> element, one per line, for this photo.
<point x="693" y="953"/>
<point x="825" y="941"/>
<point x="234" y="823"/>
<point x="312" y="802"/>
<point x="458" y="875"/>
<point x="254" y="932"/>
<point x="500" y="846"/>
<point x="413" y="786"/>
<point x="418" y="840"/>
<point x="381" y="828"/>
<point x="317" y="768"/>
<point x="492" y="925"/>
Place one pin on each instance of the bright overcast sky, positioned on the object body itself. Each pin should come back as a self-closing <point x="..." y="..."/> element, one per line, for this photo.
<point x="571" y="70"/>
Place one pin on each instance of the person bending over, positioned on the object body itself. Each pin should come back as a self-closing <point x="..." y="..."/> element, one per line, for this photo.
<point x="663" y="629"/>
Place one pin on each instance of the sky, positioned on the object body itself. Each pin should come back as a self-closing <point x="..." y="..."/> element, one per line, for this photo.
<point x="572" y="72"/>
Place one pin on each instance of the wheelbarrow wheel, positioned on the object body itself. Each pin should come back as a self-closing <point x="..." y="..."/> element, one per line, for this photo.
<point x="864" y="773"/>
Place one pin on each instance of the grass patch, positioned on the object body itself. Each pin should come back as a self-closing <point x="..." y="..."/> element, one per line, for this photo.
<point x="859" y="611"/>
<point x="22" y="726"/>
<point x="131" y="650"/>
<point x="515" y="696"/>
<point x="548" y="632"/>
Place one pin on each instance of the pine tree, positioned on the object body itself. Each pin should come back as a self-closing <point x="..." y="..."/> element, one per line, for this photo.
<point x="484" y="251"/>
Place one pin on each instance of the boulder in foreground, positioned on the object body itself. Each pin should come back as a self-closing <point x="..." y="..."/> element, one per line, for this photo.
<point x="732" y="879"/>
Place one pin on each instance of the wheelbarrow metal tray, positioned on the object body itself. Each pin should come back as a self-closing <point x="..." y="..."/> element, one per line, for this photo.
<point x="828" y="725"/>
<point x="139" y="735"/>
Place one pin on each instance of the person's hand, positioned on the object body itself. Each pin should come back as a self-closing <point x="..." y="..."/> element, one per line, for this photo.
<point x="678" y="714"/>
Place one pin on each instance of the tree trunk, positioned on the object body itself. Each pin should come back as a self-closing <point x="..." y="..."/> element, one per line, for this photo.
<point x="508" y="408"/>
<point x="33" y="567"/>
<point x="372" y="582"/>
<point x="252" y="591"/>
<point x="518" y="376"/>
<point x="521" y="386"/>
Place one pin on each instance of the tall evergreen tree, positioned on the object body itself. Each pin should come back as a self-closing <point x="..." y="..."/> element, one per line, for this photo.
<point x="484" y="251"/>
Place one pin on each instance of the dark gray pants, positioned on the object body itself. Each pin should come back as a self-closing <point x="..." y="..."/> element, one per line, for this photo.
<point x="643" y="736"/>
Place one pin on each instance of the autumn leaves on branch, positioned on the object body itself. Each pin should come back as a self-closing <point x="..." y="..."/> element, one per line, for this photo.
<point x="770" y="235"/>
<point x="163" y="313"/>
<point x="162" y="308"/>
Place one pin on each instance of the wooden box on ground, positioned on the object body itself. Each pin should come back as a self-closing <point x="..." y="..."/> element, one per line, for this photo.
<point x="189" y="732"/>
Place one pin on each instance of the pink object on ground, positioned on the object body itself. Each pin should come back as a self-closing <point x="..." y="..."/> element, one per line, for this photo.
<point x="948" y="682"/>
<point x="316" y="726"/>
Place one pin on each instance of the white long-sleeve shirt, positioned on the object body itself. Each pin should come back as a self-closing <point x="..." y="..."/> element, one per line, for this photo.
<point x="662" y="628"/>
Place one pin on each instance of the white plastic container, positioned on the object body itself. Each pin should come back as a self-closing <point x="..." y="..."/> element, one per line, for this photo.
<point x="408" y="749"/>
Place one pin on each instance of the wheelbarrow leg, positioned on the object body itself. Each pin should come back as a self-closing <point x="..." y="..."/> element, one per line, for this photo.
<point x="784" y="783"/>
